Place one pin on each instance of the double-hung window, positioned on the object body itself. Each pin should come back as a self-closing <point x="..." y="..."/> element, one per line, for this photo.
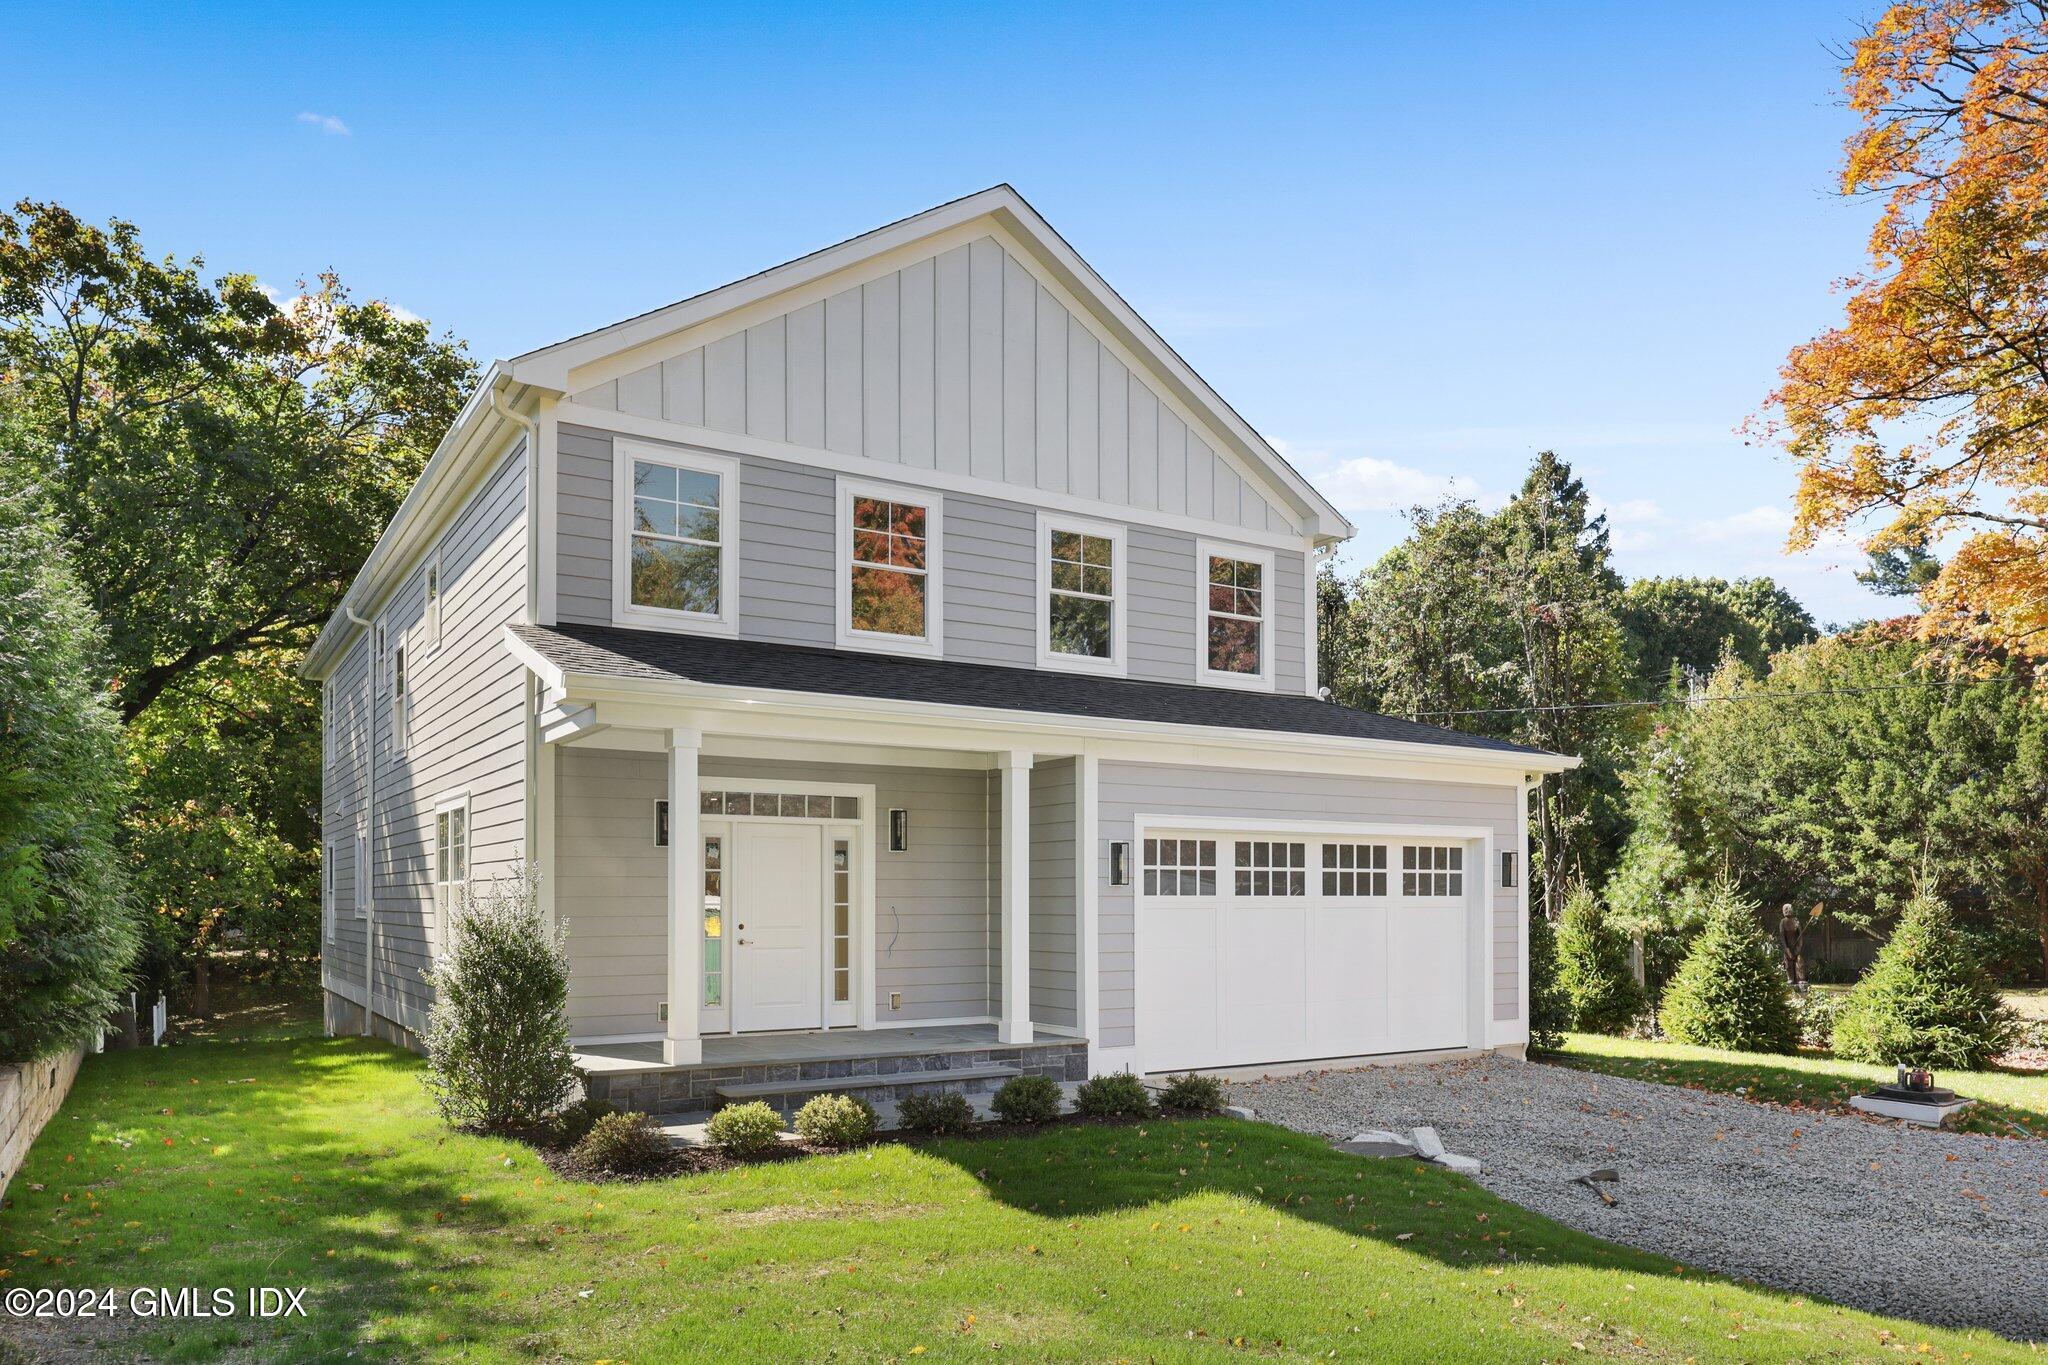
<point x="1236" y="603"/>
<point x="889" y="592"/>
<point x="675" y="551"/>
<point x="364" y="870"/>
<point x="451" y="852"/>
<point x="1080" y="594"/>
<point x="329" y="853"/>
<point x="431" y="620"/>
<point x="401" y="699"/>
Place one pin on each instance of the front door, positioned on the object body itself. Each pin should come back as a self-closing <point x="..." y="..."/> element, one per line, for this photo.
<point x="778" y="889"/>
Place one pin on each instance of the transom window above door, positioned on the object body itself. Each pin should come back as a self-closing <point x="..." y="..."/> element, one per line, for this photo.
<point x="675" y="553"/>
<point x="1080" y="594"/>
<point x="889" y="590"/>
<point x="1236" y="641"/>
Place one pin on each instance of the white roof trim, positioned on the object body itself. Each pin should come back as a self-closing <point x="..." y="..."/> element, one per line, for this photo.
<point x="554" y="367"/>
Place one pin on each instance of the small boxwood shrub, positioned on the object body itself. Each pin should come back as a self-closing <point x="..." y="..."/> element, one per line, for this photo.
<point x="835" y="1120"/>
<point x="1593" y="967"/>
<point x="744" y="1129"/>
<point x="1731" y="992"/>
<point x="1116" y="1095"/>
<point x="622" y="1144"/>
<point x="575" y="1120"/>
<point x="1925" y="1001"/>
<point x="942" y="1113"/>
<point x="1192" y="1094"/>
<point x="1028" y="1099"/>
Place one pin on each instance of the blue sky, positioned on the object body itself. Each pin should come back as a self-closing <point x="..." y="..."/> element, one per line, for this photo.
<point x="1412" y="244"/>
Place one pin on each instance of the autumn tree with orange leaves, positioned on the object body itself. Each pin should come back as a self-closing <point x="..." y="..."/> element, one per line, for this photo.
<point x="1926" y="409"/>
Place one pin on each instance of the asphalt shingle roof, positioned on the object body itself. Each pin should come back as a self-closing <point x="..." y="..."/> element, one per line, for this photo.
<point x="612" y="651"/>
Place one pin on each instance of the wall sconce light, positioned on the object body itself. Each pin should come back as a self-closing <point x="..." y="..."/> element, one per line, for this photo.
<point x="899" y="829"/>
<point x="661" y="824"/>
<point x="1120" y="862"/>
<point x="1507" y="867"/>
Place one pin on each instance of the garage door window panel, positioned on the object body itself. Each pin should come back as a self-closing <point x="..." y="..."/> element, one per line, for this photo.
<point x="1432" y="872"/>
<point x="1180" y="867"/>
<point x="1271" y="867"/>
<point x="1354" y="871"/>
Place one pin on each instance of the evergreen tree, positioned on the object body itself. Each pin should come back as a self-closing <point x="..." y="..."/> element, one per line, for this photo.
<point x="1731" y="992"/>
<point x="1593" y="967"/>
<point x="1925" y="1001"/>
<point x="1550" y="1008"/>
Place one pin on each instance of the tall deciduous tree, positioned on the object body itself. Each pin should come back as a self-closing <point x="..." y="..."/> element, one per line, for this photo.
<point x="1927" y="407"/>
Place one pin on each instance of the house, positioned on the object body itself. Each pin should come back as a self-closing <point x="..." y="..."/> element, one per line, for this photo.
<point x="899" y="659"/>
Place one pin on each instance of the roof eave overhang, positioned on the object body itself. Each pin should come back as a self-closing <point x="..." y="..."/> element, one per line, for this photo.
<point x="574" y="687"/>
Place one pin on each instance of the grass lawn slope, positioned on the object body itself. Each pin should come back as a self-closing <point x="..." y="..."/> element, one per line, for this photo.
<point x="2010" y="1103"/>
<point x="316" y="1163"/>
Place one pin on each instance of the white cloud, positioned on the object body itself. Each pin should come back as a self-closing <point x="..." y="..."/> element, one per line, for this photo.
<point x="326" y="123"/>
<point x="1367" y="484"/>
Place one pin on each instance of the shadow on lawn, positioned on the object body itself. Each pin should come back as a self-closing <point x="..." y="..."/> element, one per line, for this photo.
<point x="241" y="1169"/>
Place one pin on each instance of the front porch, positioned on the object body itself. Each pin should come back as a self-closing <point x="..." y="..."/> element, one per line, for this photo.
<point x="784" y="1069"/>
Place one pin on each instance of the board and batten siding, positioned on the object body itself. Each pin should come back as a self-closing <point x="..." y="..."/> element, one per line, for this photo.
<point x="466" y="735"/>
<point x="787" y="573"/>
<point x="1126" y="790"/>
<point x="1055" y="923"/>
<point x="960" y="362"/>
<point x="344" y="793"/>
<point x="935" y="911"/>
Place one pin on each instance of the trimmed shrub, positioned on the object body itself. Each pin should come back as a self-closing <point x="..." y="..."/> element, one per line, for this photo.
<point x="835" y="1120"/>
<point x="68" y="932"/>
<point x="1116" y="1095"/>
<point x="1028" y="1099"/>
<point x="1730" y="992"/>
<point x="1592" y="967"/>
<point x="576" y="1119"/>
<point x="744" y="1130"/>
<point x="623" y="1144"/>
<point x="1189" y="1093"/>
<point x="498" y="1039"/>
<point x="1925" y="1001"/>
<point x="1550" y="1008"/>
<point x="941" y="1113"/>
<point x="1817" y="1011"/>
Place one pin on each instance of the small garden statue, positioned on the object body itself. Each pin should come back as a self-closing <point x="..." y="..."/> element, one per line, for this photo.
<point x="1791" y="934"/>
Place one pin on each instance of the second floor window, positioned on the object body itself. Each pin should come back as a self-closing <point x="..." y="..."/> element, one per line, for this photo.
<point x="1235" y="590"/>
<point x="889" y="567"/>
<point x="1081" y="592"/>
<point x="676" y="542"/>
<point x="401" y="700"/>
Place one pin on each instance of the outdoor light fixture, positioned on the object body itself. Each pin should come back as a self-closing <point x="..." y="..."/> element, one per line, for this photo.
<point x="1507" y="867"/>
<point x="661" y="824"/>
<point x="1120" y="863"/>
<point x="899" y="829"/>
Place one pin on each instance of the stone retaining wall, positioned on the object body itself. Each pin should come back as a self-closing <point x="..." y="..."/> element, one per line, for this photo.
<point x="30" y="1095"/>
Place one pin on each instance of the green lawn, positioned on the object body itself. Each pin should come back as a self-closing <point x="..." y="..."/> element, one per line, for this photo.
<point x="2011" y="1104"/>
<point x="317" y="1163"/>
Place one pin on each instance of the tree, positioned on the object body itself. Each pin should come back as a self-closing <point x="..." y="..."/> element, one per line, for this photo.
<point x="67" y="931"/>
<point x="1693" y="623"/>
<point x="1731" y="991"/>
<point x="1503" y="624"/>
<point x="1901" y="571"/>
<point x="1550" y="1007"/>
<point x="221" y="463"/>
<point x="1925" y="1001"/>
<point x="1923" y="407"/>
<point x="1593" y="968"/>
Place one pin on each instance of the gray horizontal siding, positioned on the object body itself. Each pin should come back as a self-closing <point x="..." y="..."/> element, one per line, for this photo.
<point x="1055" y="923"/>
<point x="344" y="791"/>
<point x="1126" y="790"/>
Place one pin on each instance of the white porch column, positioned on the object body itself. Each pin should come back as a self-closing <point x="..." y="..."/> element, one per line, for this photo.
<point x="682" y="1046"/>
<point x="1014" y="1018"/>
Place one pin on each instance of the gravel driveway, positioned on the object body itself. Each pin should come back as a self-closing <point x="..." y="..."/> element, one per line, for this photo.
<point x="1939" y="1227"/>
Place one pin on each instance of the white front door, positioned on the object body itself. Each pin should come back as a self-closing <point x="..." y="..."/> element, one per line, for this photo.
<point x="777" y="914"/>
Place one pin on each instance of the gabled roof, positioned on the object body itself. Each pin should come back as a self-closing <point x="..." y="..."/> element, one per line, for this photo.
<point x="599" y="653"/>
<point x="557" y="367"/>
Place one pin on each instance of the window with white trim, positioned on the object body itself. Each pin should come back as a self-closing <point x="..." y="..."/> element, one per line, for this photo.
<point x="842" y="921"/>
<point x="1271" y="867"/>
<point x="401" y="700"/>
<point x="328" y="909"/>
<point x="676" y="538"/>
<point x="431" y="621"/>
<point x="365" y="874"/>
<point x="451" y="853"/>
<point x="889" y="592"/>
<point x="714" y="920"/>
<point x="1354" y="870"/>
<point x="1234" y="615"/>
<point x="1432" y="870"/>
<point x="1180" y="867"/>
<point x="1081" y="604"/>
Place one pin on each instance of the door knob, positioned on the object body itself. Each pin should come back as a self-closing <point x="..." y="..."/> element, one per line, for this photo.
<point x="742" y="942"/>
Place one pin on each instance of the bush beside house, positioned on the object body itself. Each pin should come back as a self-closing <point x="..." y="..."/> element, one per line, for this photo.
<point x="1730" y="991"/>
<point x="1550" y="1008"/>
<point x="1593" y="968"/>
<point x="1926" y="1001"/>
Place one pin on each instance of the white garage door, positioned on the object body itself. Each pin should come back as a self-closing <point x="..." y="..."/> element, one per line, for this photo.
<point x="1272" y="948"/>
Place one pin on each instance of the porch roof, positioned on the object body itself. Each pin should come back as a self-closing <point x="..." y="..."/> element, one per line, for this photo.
<point x="663" y="656"/>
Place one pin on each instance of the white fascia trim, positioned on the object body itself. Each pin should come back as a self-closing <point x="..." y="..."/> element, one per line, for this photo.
<point x="450" y="473"/>
<point x="1262" y="681"/>
<point x="933" y="643"/>
<point x="1118" y="664"/>
<point x="997" y="722"/>
<point x="726" y="620"/>
<point x="887" y="471"/>
<point x="1227" y="824"/>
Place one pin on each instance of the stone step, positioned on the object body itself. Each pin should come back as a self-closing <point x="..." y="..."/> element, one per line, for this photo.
<point x="819" y="1085"/>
